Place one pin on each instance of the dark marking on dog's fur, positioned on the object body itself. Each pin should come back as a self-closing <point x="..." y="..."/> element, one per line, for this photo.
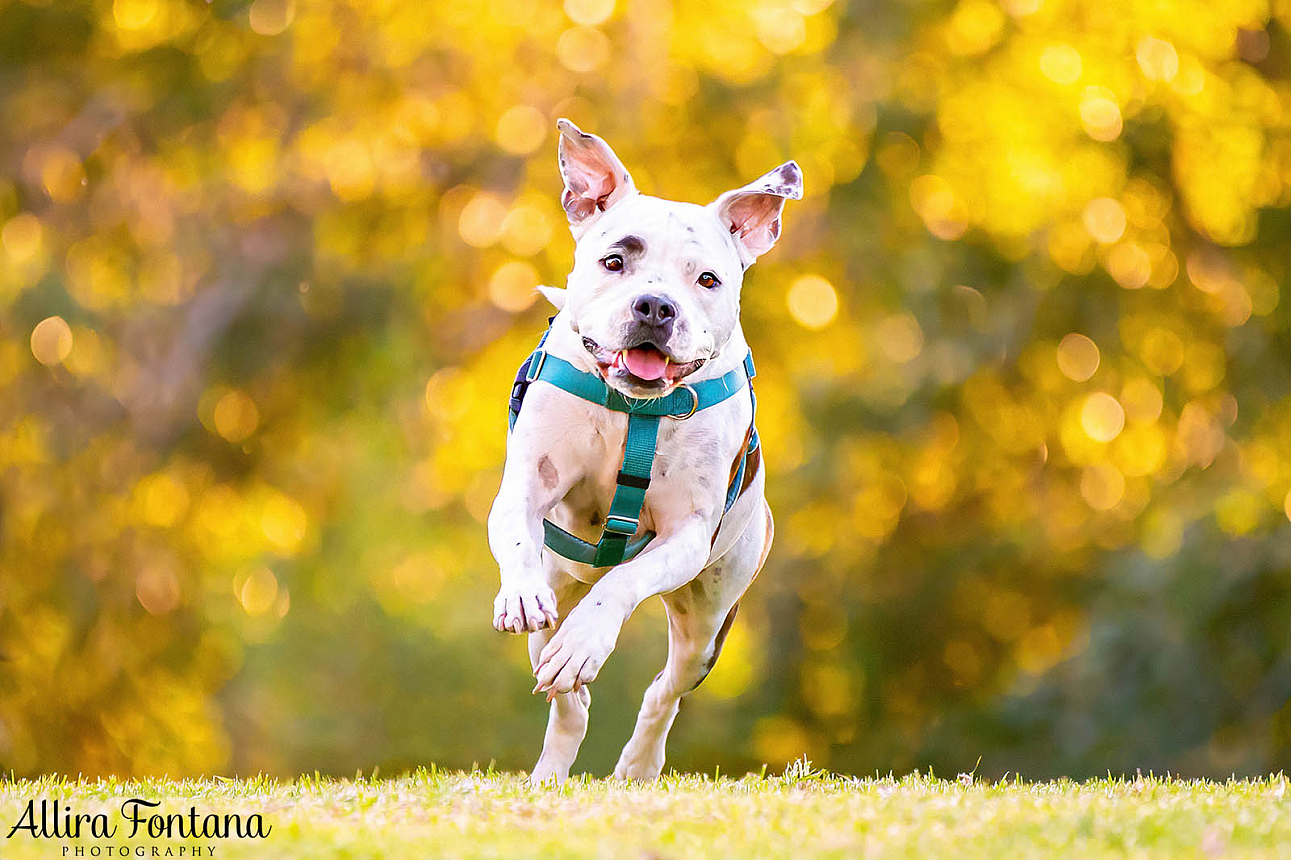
<point x="718" y="641"/>
<point x="547" y="472"/>
<point x="751" y="466"/>
<point x="751" y="469"/>
<point x="633" y="245"/>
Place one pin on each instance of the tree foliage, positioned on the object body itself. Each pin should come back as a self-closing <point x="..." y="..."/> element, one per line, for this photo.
<point x="266" y="270"/>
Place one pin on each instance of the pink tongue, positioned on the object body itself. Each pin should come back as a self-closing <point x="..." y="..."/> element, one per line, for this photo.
<point x="645" y="363"/>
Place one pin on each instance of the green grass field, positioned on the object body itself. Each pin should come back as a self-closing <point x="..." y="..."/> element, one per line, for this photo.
<point x="802" y="814"/>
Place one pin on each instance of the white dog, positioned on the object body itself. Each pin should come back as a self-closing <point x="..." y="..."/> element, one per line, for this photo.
<point x="634" y="470"/>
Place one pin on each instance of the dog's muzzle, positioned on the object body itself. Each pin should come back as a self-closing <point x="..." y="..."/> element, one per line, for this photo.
<point x="653" y="317"/>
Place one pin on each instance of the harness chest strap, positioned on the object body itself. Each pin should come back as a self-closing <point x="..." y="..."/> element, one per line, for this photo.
<point x="624" y="516"/>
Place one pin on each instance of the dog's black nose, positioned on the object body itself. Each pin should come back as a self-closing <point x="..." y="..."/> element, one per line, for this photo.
<point x="653" y="310"/>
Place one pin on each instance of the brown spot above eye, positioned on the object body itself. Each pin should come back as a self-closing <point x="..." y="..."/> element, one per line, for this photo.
<point x="633" y="245"/>
<point x="547" y="472"/>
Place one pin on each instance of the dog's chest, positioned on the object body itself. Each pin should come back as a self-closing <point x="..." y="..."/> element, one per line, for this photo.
<point x="685" y="470"/>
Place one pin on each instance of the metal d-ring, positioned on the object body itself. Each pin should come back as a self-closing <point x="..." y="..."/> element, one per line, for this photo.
<point x="694" y="402"/>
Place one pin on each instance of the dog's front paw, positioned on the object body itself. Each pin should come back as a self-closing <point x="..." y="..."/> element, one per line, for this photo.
<point x="524" y="608"/>
<point x="576" y="652"/>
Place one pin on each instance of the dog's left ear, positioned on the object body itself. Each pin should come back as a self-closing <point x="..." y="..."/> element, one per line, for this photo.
<point x="594" y="177"/>
<point x="752" y="213"/>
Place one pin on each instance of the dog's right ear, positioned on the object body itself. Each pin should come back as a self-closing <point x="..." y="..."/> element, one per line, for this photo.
<point x="594" y="177"/>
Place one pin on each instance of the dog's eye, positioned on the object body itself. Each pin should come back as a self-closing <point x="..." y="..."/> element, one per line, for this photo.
<point x="708" y="280"/>
<point x="613" y="263"/>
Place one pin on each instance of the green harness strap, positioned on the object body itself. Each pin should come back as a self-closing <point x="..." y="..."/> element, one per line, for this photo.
<point x="624" y="517"/>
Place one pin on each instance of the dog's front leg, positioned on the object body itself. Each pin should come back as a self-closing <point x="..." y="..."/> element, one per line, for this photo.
<point x="535" y="478"/>
<point x="585" y="639"/>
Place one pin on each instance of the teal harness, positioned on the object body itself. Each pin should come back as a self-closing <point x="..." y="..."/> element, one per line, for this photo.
<point x="624" y="518"/>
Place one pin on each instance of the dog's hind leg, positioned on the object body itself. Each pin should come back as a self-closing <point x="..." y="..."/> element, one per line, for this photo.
<point x="567" y="719"/>
<point x="700" y="615"/>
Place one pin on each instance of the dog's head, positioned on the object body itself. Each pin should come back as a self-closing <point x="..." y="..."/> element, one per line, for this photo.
<point x="655" y="289"/>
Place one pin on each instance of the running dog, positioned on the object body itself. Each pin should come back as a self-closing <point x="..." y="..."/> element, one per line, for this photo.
<point x="634" y="468"/>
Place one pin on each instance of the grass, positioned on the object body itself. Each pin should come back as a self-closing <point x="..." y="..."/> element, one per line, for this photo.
<point x="801" y="814"/>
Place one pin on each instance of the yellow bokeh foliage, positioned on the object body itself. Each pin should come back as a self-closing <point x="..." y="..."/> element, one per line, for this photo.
<point x="267" y="269"/>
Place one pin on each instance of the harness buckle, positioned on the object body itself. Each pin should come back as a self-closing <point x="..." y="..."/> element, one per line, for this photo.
<point x="622" y="525"/>
<point x="694" y="402"/>
<point x="535" y="365"/>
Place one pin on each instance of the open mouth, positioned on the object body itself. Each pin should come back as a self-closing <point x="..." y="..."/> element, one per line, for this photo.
<point x="644" y="365"/>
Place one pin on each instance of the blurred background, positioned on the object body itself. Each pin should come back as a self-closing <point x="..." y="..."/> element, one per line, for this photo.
<point x="267" y="270"/>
